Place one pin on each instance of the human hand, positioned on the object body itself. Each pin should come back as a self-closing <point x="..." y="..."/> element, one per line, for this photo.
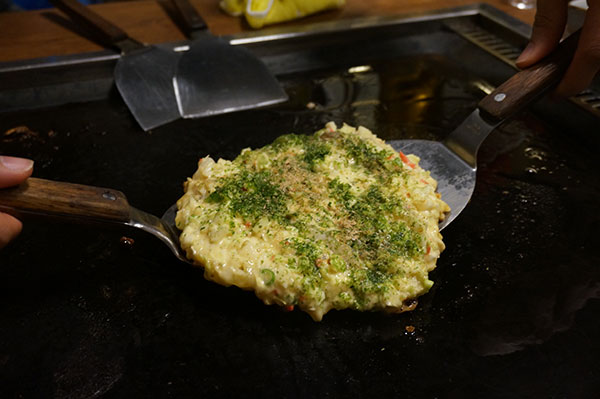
<point x="12" y="172"/>
<point x="549" y="25"/>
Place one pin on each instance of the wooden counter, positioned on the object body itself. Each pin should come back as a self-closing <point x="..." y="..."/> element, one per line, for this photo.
<point x="44" y="33"/>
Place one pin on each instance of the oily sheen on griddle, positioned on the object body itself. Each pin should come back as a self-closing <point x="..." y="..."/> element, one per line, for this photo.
<point x="332" y="220"/>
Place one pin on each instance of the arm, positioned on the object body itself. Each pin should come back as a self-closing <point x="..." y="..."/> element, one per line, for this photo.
<point x="12" y="172"/>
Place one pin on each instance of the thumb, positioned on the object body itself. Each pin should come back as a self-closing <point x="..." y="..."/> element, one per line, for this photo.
<point x="548" y="28"/>
<point x="14" y="170"/>
<point x="9" y="229"/>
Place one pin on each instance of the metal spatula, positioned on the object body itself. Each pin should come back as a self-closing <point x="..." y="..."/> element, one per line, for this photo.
<point x="143" y="74"/>
<point x="453" y="162"/>
<point x="214" y="77"/>
<point x="87" y="204"/>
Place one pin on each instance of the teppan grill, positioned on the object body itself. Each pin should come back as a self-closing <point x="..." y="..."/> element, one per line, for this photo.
<point x="87" y="311"/>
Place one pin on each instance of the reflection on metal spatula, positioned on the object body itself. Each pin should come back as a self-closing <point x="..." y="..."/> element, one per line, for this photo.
<point x="143" y="74"/>
<point x="214" y="77"/>
<point x="453" y="162"/>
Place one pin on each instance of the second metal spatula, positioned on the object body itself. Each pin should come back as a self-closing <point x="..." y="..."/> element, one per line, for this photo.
<point x="143" y="74"/>
<point x="453" y="162"/>
<point x="214" y="77"/>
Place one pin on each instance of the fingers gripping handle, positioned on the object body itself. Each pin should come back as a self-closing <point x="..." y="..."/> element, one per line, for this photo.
<point x="525" y="86"/>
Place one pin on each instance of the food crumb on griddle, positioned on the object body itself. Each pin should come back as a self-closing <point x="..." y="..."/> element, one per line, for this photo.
<point x="127" y="242"/>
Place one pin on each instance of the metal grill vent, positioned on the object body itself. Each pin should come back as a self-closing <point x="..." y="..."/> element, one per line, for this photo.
<point x="486" y="40"/>
<point x="590" y="98"/>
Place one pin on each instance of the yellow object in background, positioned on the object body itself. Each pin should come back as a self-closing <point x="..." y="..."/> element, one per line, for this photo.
<point x="259" y="13"/>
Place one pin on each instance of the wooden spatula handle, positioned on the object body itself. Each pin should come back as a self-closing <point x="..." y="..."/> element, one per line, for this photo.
<point x="191" y="19"/>
<point x="57" y="199"/>
<point x="523" y="87"/>
<point x="107" y="32"/>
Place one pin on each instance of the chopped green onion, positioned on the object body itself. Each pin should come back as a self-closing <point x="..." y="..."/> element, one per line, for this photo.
<point x="269" y="276"/>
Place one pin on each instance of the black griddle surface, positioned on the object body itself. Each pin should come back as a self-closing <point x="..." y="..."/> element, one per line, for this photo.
<point x="513" y="312"/>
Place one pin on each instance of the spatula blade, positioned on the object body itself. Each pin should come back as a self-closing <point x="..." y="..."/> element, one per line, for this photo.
<point x="145" y="80"/>
<point x="214" y="77"/>
<point x="456" y="178"/>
